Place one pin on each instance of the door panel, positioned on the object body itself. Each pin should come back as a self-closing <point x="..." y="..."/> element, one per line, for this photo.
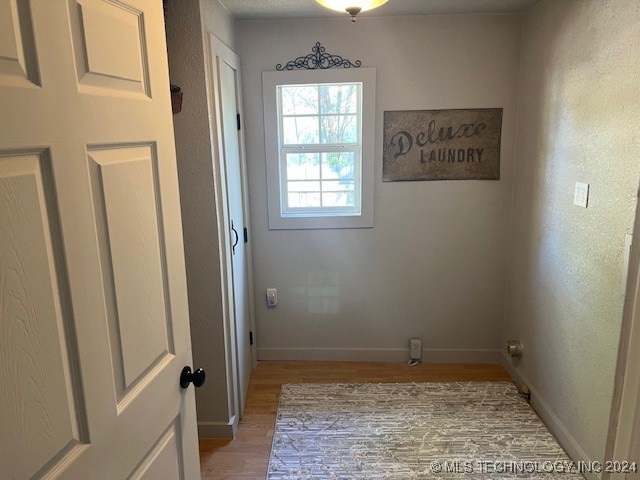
<point x="94" y="327"/>
<point x="227" y="64"/>
<point x="35" y="358"/>
<point x="124" y="194"/>
<point x="161" y="462"/>
<point x="18" y="61"/>
<point x="109" y="47"/>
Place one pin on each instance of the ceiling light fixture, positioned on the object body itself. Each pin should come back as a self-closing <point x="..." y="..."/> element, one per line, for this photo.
<point x="352" y="7"/>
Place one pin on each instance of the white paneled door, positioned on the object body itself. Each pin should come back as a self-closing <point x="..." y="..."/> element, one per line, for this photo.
<point x="226" y="65"/>
<point x="94" y="326"/>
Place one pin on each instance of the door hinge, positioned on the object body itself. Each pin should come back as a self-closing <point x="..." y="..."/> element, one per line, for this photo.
<point x="238" y="118"/>
<point x="250" y="338"/>
<point x="246" y="235"/>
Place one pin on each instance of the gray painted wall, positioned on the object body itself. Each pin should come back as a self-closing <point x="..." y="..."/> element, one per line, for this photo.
<point x="434" y="265"/>
<point x="578" y="119"/>
<point x="186" y="21"/>
<point x="217" y="20"/>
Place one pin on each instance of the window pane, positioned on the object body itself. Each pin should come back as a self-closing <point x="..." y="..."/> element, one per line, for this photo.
<point x="339" y="129"/>
<point x="338" y="194"/>
<point x="299" y="100"/>
<point x="339" y="98"/>
<point x="338" y="166"/>
<point x="303" y="200"/>
<point x="303" y="194"/>
<point x="303" y="166"/>
<point x="313" y="186"/>
<point x="300" y="130"/>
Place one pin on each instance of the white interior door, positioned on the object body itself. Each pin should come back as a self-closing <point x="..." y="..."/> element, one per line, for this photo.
<point x="226" y="63"/>
<point x="624" y="427"/>
<point x="94" y="323"/>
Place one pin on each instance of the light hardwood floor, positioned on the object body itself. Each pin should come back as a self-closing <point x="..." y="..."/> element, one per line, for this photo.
<point x="247" y="455"/>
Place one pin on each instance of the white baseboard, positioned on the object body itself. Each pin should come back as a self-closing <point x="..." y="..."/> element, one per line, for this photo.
<point x="218" y="429"/>
<point x="429" y="355"/>
<point x="551" y="420"/>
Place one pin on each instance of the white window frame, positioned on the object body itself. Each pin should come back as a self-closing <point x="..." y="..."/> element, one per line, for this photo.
<point x="283" y="220"/>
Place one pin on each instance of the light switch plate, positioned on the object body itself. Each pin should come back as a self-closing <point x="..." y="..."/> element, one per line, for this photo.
<point x="581" y="194"/>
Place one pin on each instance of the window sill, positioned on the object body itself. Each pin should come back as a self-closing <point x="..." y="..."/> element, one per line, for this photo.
<point x="310" y="223"/>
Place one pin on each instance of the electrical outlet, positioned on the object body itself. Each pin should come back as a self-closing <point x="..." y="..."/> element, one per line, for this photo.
<point x="415" y="349"/>
<point x="272" y="297"/>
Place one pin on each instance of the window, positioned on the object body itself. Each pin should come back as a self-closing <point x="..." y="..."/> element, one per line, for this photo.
<point x="319" y="149"/>
<point x="319" y="141"/>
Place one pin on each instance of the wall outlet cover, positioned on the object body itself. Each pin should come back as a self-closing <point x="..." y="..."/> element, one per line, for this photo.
<point x="415" y="349"/>
<point x="272" y="297"/>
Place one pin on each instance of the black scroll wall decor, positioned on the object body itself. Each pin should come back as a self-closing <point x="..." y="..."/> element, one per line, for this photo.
<point x="318" y="60"/>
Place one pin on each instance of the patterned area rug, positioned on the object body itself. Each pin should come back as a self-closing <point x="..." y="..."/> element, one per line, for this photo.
<point x="402" y="431"/>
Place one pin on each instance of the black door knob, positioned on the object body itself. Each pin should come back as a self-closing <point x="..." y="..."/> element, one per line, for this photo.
<point x="187" y="376"/>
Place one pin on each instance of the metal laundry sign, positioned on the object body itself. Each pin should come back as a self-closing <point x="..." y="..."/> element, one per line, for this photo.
<point x="442" y="144"/>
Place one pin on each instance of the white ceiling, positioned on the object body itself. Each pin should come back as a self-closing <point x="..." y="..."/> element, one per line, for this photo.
<point x="271" y="9"/>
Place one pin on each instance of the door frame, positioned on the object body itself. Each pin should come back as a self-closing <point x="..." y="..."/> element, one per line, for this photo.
<point x="624" y="422"/>
<point x="215" y="47"/>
